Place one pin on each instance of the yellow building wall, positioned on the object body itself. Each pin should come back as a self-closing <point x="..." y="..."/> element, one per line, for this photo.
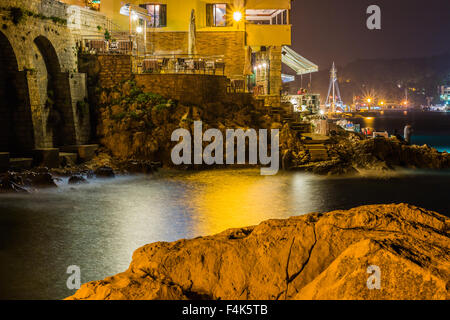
<point x="268" y="4"/>
<point x="178" y="13"/>
<point x="268" y="35"/>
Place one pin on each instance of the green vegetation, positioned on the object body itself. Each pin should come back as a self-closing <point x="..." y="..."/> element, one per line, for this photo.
<point x="136" y="104"/>
<point x="18" y="15"/>
<point x="107" y="35"/>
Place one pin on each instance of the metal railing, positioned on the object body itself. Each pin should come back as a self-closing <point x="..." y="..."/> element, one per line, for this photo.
<point x="179" y="63"/>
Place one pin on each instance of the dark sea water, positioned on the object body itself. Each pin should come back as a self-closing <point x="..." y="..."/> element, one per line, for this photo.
<point x="431" y="128"/>
<point x="98" y="226"/>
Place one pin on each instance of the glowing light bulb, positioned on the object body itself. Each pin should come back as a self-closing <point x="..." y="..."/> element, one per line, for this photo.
<point x="237" y="16"/>
<point x="139" y="29"/>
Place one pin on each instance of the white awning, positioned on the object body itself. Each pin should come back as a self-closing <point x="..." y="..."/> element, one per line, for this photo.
<point x="138" y="11"/>
<point x="296" y="62"/>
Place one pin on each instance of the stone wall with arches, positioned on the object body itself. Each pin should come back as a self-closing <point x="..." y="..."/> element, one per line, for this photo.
<point x="42" y="94"/>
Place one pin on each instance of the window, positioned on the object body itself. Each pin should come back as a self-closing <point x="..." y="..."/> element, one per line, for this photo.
<point x="216" y="15"/>
<point x="158" y="14"/>
<point x="274" y="16"/>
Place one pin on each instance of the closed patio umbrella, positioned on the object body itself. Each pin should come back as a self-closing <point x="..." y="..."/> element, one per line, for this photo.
<point x="192" y="34"/>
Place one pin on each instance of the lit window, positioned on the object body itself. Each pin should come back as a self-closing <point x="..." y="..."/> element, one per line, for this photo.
<point x="216" y="15"/>
<point x="158" y="14"/>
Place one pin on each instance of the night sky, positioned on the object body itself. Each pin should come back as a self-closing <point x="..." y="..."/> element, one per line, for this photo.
<point x="327" y="30"/>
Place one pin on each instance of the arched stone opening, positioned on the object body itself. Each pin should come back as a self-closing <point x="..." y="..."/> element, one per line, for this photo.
<point x="57" y="108"/>
<point x="16" y="126"/>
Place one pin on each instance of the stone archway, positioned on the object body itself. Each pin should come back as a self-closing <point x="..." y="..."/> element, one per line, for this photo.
<point x="57" y="108"/>
<point x="16" y="126"/>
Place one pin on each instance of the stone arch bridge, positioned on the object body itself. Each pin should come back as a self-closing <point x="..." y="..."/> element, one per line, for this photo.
<point x="42" y="94"/>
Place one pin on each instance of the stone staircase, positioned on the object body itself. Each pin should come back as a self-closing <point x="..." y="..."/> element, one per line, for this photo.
<point x="301" y="127"/>
<point x="318" y="152"/>
<point x="48" y="157"/>
<point x="281" y="113"/>
<point x="316" y="145"/>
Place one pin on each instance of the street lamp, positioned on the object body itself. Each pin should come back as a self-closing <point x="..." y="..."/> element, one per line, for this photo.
<point x="237" y="16"/>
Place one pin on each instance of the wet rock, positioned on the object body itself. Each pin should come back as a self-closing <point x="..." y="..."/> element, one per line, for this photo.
<point x="41" y="179"/>
<point x="314" y="256"/>
<point x="11" y="183"/>
<point x="90" y="174"/>
<point x="140" y="166"/>
<point x="104" y="172"/>
<point x="77" y="179"/>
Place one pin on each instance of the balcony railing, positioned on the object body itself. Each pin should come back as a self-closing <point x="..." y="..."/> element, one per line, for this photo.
<point x="188" y="64"/>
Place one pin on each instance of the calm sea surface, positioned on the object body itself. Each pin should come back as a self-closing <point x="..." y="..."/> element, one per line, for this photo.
<point x="432" y="128"/>
<point x="98" y="226"/>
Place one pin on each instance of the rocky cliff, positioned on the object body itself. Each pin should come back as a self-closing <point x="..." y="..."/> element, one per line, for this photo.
<point x="315" y="256"/>
<point x="351" y="153"/>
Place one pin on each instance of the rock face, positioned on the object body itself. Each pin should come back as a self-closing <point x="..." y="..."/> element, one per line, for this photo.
<point x="385" y="154"/>
<point x="315" y="256"/>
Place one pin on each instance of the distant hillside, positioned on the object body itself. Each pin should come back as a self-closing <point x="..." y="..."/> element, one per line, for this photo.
<point x="386" y="79"/>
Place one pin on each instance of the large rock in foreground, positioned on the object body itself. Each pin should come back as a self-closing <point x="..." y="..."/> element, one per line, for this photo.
<point x="315" y="256"/>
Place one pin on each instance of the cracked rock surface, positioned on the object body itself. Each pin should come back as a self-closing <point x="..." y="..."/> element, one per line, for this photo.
<point x="315" y="256"/>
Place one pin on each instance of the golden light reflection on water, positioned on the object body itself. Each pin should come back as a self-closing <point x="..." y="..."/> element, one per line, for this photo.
<point x="223" y="200"/>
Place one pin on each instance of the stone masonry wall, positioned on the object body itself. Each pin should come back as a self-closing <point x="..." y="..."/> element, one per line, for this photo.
<point x="186" y="88"/>
<point x="229" y="44"/>
<point x="44" y="20"/>
<point x="112" y="70"/>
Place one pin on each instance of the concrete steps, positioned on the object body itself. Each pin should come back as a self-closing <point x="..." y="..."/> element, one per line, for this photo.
<point x="4" y="161"/>
<point x="84" y="152"/>
<point x="318" y="152"/>
<point x="20" y="163"/>
<point x="48" y="157"/>
<point x="301" y="127"/>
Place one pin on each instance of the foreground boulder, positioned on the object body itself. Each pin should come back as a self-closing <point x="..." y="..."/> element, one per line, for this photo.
<point x="315" y="256"/>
